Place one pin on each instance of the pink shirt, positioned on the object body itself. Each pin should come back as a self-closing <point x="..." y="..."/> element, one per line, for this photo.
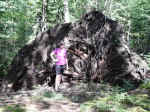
<point x="61" y="55"/>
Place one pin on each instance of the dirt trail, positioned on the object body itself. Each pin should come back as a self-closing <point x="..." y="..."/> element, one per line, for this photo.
<point x="44" y="99"/>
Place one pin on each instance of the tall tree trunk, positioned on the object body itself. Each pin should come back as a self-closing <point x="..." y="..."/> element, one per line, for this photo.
<point x="107" y="7"/>
<point x="110" y="8"/>
<point x="97" y="3"/>
<point x="66" y="12"/>
<point x="44" y="20"/>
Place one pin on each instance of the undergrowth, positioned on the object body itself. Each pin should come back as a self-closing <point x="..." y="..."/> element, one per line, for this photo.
<point x="120" y="100"/>
<point x="13" y="108"/>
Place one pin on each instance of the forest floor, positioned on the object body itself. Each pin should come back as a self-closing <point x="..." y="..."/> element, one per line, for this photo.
<point x="78" y="98"/>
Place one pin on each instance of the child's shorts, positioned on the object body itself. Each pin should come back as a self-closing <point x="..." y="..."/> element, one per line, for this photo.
<point x="60" y="69"/>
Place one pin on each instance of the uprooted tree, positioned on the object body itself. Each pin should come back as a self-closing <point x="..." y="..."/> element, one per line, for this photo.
<point x="102" y="41"/>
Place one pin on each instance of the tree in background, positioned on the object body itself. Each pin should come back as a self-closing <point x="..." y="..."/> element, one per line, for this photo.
<point x="15" y="30"/>
<point x="44" y="14"/>
<point x="140" y="25"/>
<point x="66" y="12"/>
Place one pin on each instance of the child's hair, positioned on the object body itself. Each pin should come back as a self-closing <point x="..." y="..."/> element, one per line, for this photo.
<point x="60" y="44"/>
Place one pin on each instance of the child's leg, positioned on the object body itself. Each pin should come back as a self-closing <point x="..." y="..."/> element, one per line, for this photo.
<point x="58" y="77"/>
<point x="57" y="81"/>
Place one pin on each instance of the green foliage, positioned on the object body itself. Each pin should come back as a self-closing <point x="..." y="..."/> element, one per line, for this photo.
<point x="134" y="15"/>
<point x="77" y="8"/>
<point x="15" y="108"/>
<point x="145" y="84"/>
<point x="128" y="85"/>
<point x="15" y="30"/>
<point x="147" y="58"/>
<point x="6" y="55"/>
<point x="118" y="100"/>
<point x="139" y="15"/>
<point x="55" y="12"/>
<point x="54" y="96"/>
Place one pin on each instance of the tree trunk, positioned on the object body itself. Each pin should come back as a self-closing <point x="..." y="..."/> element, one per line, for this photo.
<point x="44" y="20"/>
<point x="107" y="7"/>
<point x="97" y="3"/>
<point x="97" y="50"/>
<point x="66" y="12"/>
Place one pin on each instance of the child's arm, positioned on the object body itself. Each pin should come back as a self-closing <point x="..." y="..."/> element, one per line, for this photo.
<point x="53" y="57"/>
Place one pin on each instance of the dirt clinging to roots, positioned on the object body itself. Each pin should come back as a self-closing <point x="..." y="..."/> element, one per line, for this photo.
<point x="98" y="50"/>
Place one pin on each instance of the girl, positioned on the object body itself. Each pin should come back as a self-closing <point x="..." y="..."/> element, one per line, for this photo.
<point x="59" y="56"/>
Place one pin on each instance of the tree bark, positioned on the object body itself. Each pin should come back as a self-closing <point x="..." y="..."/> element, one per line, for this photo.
<point x="44" y="14"/>
<point x="97" y="3"/>
<point x="107" y="7"/>
<point x="66" y="12"/>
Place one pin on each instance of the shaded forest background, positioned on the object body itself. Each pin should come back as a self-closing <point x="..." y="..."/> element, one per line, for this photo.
<point x="21" y="21"/>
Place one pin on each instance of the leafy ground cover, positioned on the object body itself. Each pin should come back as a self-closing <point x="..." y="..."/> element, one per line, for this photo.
<point x="79" y="98"/>
<point x="118" y="100"/>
